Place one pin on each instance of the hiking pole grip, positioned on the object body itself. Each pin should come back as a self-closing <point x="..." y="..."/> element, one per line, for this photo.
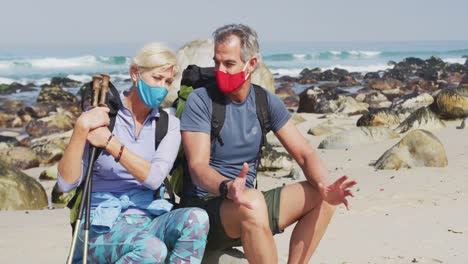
<point x="104" y="89"/>
<point x="97" y="89"/>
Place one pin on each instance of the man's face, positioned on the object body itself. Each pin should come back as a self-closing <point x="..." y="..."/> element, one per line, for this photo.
<point x="227" y="56"/>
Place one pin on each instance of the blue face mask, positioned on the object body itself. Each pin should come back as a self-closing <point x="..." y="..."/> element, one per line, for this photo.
<point x="151" y="96"/>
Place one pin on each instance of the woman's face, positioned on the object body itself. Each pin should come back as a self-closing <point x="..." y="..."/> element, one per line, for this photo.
<point x="155" y="77"/>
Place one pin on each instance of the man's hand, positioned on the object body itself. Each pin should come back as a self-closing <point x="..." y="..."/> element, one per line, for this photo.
<point x="236" y="188"/>
<point x="337" y="192"/>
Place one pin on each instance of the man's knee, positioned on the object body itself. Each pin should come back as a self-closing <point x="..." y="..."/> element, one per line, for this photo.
<point x="258" y="216"/>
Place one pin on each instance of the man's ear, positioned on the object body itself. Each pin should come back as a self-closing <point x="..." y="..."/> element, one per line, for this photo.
<point x="253" y="62"/>
<point x="134" y="73"/>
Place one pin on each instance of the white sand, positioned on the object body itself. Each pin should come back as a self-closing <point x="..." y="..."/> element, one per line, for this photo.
<point x="417" y="215"/>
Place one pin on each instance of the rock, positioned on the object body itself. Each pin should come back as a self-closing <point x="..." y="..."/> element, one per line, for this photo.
<point x="371" y="75"/>
<point x="384" y="84"/>
<point x="455" y="67"/>
<point x="19" y="191"/>
<point x="327" y="128"/>
<point x="8" y="142"/>
<point x="50" y="148"/>
<point x="381" y="117"/>
<point x="307" y="100"/>
<point x="356" y="137"/>
<point x="271" y="159"/>
<point x="392" y="94"/>
<point x="64" y="82"/>
<point x="20" y="157"/>
<point x="297" y="118"/>
<point x="55" y="96"/>
<point x="309" y="76"/>
<point x="423" y="118"/>
<point x="418" y="84"/>
<point x="60" y="198"/>
<point x="56" y="123"/>
<point x="285" y="90"/>
<point x="201" y="52"/>
<point x="16" y="88"/>
<point x="377" y="100"/>
<point x="419" y="148"/>
<point x="351" y="107"/>
<point x="50" y="173"/>
<point x="11" y="106"/>
<point x="231" y="256"/>
<point x="291" y="102"/>
<point x="452" y="103"/>
<point x="412" y="101"/>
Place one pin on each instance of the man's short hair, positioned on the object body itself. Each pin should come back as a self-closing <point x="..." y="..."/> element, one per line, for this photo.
<point x="247" y="36"/>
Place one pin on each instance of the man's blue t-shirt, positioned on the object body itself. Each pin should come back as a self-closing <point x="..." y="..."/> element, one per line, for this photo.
<point x="241" y="132"/>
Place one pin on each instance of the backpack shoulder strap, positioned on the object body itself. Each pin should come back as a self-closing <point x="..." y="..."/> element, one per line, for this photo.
<point x="261" y="103"/>
<point x="218" y="113"/>
<point x="162" y="124"/>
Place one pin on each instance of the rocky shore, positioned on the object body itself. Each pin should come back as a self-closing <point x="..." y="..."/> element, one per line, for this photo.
<point x="397" y="132"/>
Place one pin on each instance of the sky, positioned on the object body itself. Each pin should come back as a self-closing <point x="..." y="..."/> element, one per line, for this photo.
<point x="61" y="23"/>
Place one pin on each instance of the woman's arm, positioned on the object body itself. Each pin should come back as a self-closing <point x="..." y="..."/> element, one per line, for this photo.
<point x="70" y="166"/>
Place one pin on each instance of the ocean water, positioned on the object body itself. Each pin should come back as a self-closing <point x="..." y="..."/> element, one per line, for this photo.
<point x="37" y="65"/>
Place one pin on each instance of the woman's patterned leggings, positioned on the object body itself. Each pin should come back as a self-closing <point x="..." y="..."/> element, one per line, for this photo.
<point x="175" y="237"/>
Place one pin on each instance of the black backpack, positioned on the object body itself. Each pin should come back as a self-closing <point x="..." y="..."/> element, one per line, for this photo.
<point x="114" y="103"/>
<point x="194" y="77"/>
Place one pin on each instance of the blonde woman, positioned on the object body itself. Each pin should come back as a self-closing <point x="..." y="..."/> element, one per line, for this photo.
<point x="127" y="225"/>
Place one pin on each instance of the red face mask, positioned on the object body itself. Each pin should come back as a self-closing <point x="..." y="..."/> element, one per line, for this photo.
<point x="228" y="83"/>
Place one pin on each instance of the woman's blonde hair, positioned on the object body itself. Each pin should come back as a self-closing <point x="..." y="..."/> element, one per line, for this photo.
<point x="156" y="55"/>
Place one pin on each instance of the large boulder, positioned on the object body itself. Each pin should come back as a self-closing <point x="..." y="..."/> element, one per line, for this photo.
<point x="412" y="101"/>
<point x="381" y="117"/>
<point x="55" y="123"/>
<point x="16" y="88"/>
<point x="314" y="100"/>
<point x="356" y="137"/>
<point x="64" y="82"/>
<point x="55" y="95"/>
<point x="8" y="141"/>
<point x="49" y="174"/>
<point x="327" y="128"/>
<point x="419" y="148"/>
<point x="59" y="198"/>
<point x="50" y="148"/>
<point x="272" y="159"/>
<point x="423" y="118"/>
<point x="350" y="106"/>
<point x="20" y="157"/>
<point x="384" y="84"/>
<point x="377" y="100"/>
<point x="453" y="103"/>
<point x="19" y="191"/>
<point x="201" y="52"/>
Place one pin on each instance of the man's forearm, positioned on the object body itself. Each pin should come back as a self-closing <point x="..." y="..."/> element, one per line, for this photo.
<point x="206" y="177"/>
<point x="315" y="170"/>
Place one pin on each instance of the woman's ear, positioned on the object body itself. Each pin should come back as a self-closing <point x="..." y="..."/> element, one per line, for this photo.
<point x="134" y="73"/>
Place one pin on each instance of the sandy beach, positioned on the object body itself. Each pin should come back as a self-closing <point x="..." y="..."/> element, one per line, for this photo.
<point x="413" y="215"/>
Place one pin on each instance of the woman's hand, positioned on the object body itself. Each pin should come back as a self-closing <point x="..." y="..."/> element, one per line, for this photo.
<point x="98" y="137"/>
<point x="337" y="192"/>
<point x="94" y="118"/>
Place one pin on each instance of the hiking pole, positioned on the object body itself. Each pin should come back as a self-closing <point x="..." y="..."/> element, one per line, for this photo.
<point x="86" y="194"/>
<point x="100" y="91"/>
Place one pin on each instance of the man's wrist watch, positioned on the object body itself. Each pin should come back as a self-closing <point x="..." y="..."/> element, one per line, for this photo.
<point x="223" y="189"/>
